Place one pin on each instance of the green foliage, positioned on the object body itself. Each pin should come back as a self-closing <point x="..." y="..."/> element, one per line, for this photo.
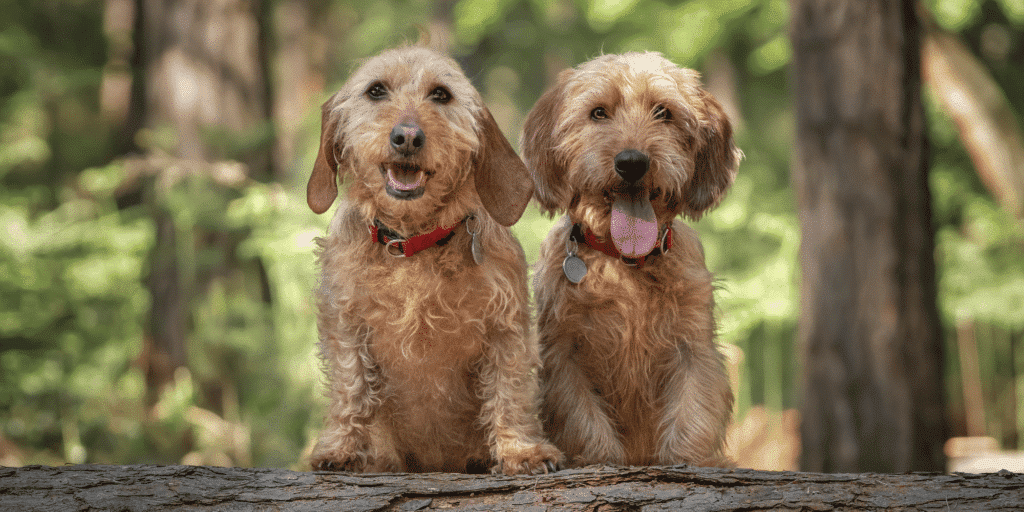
<point x="74" y="303"/>
<point x="955" y="15"/>
<point x="71" y="297"/>
<point x="76" y="380"/>
<point x="70" y="317"/>
<point x="51" y="56"/>
<point x="980" y="247"/>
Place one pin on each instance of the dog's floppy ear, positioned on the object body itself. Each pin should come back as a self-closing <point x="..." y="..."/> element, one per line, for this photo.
<point x="322" y="188"/>
<point x="538" y="143"/>
<point x="716" y="160"/>
<point x="502" y="182"/>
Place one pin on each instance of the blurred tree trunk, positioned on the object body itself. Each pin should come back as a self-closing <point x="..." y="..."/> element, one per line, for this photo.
<point x="299" y="61"/>
<point x="869" y="327"/>
<point x="204" y="98"/>
<point x="205" y="76"/>
<point x="984" y="117"/>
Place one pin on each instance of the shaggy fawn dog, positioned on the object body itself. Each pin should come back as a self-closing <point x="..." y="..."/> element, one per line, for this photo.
<point x="424" y="328"/>
<point x="622" y="145"/>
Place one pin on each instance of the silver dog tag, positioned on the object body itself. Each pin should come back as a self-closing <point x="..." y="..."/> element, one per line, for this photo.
<point x="574" y="268"/>
<point x="476" y="248"/>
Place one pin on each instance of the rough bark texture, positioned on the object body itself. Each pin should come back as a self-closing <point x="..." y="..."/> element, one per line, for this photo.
<point x="869" y="328"/>
<point x="155" y="488"/>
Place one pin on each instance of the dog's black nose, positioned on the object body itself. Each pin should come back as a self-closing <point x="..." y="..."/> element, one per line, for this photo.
<point x="631" y="165"/>
<point x="407" y="138"/>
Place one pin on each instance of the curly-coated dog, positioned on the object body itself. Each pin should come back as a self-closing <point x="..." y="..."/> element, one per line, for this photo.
<point x="423" y="314"/>
<point x="622" y="145"/>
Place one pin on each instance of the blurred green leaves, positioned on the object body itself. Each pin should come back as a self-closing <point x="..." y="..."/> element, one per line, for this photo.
<point x="961" y="15"/>
<point x="475" y="17"/>
<point x="955" y="15"/>
<point x="1014" y="10"/>
<point x="770" y="56"/>
<point x="73" y="302"/>
<point x="603" y="14"/>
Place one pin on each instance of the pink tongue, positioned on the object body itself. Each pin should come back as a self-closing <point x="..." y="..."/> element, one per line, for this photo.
<point x="399" y="180"/>
<point x="634" y="228"/>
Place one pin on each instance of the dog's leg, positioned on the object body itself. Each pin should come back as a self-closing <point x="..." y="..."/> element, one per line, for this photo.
<point x="696" y="405"/>
<point x="508" y="386"/>
<point x="353" y="385"/>
<point x="575" y="416"/>
<point x="384" y="454"/>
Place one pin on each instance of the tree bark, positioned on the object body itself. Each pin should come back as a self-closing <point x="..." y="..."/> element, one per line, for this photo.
<point x="869" y="328"/>
<point x="155" y="488"/>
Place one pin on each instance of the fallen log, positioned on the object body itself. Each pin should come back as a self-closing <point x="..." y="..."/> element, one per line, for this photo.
<point x="595" y="488"/>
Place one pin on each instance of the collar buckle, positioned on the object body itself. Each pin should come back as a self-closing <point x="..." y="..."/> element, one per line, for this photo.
<point x="395" y="248"/>
<point x="399" y="246"/>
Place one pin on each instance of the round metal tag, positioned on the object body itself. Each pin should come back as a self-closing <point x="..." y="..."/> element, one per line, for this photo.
<point x="574" y="268"/>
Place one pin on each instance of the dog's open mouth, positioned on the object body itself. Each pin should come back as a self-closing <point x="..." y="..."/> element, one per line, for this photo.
<point x="634" y="229"/>
<point x="403" y="180"/>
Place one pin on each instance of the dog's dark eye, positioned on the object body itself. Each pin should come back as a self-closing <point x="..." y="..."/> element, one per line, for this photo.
<point x="598" y="114"/>
<point x="440" y="95"/>
<point x="662" y="112"/>
<point x="377" y="91"/>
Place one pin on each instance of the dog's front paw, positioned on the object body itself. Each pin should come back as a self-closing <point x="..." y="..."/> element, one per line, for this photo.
<point x="339" y="453"/>
<point x="327" y="461"/>
<point x="530" y="459"/>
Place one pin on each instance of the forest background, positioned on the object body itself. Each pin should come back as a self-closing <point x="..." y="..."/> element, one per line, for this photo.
<point x="156" y="251"/>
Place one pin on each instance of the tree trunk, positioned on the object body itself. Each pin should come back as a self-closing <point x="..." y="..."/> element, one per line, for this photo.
<point x="205" y="76"/>
<point x="869" y="328"/>
<point x="155" y="488"/>
<point x="299" y="82"/>
<point x="204" y="98"/>
<point x="164" y="349"/>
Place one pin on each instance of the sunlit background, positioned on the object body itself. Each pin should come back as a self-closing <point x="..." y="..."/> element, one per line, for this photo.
<point x="156" y="252"/>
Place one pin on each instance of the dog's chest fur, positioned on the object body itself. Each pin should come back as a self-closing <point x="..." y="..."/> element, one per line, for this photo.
<point x="628" y="348"/>
<point x="426" y="321"/>
<point x="424" y="313"/>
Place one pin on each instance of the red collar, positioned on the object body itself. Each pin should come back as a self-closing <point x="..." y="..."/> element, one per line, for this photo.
<point x="397" y="245"/>
<point x="586" y="236"/>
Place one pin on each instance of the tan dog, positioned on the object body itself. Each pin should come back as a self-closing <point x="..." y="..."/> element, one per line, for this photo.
<point x="423" y="320"/>
<point x="623" y="144"/>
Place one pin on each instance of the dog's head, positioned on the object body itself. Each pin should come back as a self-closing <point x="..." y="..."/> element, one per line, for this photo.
<point x="629" y="140"/>
<point x="410" y="130"/>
